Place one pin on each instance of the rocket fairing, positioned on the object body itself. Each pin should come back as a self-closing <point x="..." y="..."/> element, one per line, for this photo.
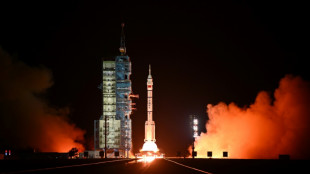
<point x="149" y="124"/>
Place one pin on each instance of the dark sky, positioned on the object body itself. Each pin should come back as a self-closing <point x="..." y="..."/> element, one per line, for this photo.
<point x="201" y="53"/>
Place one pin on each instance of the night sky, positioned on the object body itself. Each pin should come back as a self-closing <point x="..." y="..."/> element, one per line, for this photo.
<point x="201" y="53"/>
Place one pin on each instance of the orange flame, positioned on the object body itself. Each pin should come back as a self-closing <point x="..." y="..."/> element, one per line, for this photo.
<point x="265" y="129"/>
<point x="27" y="119"/>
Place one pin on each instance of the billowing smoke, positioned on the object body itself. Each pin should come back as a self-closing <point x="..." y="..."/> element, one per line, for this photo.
<point x="265" y="129"/>
<point x="26" y="121"/>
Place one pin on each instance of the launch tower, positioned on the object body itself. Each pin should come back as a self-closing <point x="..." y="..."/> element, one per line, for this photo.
<point x="113" y="132"/>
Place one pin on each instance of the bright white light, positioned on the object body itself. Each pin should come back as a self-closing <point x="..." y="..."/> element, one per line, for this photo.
<point x="150" y="146"/>
<point x="195" y="134"/>
<point x="149" y="158"/>
<point x="195" y="121"/>
<point x="195" y="128"/>
<point x="145" y="158"/>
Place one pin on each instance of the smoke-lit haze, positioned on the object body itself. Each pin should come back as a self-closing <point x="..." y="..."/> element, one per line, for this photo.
<point x="26" y="121"/>
<point x="269" y="127"/>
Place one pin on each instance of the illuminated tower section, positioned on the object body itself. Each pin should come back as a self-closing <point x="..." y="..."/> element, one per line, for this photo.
<point x="149" y="124"/>
<point x="110" y="126"/>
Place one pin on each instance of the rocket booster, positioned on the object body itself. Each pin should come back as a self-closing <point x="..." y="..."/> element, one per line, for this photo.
<point x="149" y="124"/>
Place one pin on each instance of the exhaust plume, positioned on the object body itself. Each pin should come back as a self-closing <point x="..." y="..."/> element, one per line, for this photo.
<point x="265" y="129"/>
<point x="26" y="121"/>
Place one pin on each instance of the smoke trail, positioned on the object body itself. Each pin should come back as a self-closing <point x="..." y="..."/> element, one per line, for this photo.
<point x="26" y="121"/>
<point x="265" y="129"/>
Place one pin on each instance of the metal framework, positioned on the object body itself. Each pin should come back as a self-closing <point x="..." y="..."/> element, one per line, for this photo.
<point x="123" y="100"/>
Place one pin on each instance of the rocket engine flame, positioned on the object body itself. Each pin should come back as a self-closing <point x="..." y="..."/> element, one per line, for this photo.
<point x="150" y="146"/>
<point x="263" y="130"/>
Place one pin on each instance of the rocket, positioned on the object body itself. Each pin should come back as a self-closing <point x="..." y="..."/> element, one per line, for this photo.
<point x="149" y="124"/>
<point x="149" y="140"/>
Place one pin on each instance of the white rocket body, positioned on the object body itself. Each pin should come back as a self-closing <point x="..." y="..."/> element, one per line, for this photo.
<point x="149" y="124"/>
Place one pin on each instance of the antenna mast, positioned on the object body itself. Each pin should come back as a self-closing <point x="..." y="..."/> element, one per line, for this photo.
<point x="122" y="47"/>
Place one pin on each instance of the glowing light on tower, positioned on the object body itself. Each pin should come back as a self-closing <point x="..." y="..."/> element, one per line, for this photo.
<point x="194" y="124"/>
<point x="195" y="127"/>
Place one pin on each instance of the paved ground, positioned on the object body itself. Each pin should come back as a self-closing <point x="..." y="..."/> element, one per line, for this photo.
<point x="243" y="166"/>
<point x="116" y="166"/>
<point x="160" y="166"/>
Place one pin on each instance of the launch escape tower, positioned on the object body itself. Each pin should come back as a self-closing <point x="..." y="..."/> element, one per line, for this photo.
<point x="113" y="130"/>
